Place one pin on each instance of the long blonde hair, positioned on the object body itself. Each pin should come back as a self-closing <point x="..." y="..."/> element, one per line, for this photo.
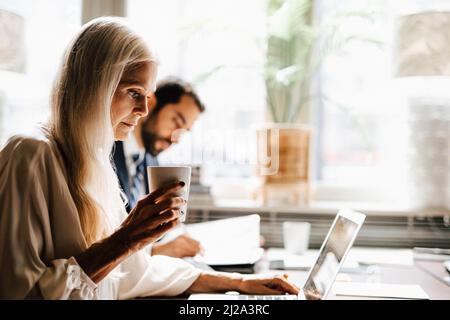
<point x="80" y="121"/>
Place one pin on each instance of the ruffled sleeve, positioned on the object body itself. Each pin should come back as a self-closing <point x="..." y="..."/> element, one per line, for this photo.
<point x="30" y="197"/>
<point x="147" y="275"/>
<point x="64" y="279"/>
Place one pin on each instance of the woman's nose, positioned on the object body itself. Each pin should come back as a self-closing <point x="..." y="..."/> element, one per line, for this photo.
<point x="142" y="108"/>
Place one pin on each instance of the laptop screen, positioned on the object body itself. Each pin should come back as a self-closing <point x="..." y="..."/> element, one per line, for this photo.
<point x="327" y="266"/>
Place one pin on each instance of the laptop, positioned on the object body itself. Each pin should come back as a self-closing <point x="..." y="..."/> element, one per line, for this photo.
<point x="322" y="275"/>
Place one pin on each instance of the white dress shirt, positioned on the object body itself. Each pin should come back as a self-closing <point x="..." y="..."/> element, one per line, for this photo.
<point x="40" y="233"/>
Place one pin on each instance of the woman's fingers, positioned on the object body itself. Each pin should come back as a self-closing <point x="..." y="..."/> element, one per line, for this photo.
<point x="154" y="222"/>
<point x="148" y="221"/>
<point x="171" y="203"/>
<point x="153" y="228"/>
<point x="146" y="206"/>
<point x="264" y="289"/>
<point x="282" y="284"/>
<point x="169" y="188"/>
<point x="271" y="286"/>
<point x="166" y="196"/>
<point x="156" y="233"/>
<point x="155" y="210"/>
<point x="165" y="217"/>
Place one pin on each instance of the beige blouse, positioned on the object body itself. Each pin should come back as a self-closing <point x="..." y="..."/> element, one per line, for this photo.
<point x="40" y="233"/>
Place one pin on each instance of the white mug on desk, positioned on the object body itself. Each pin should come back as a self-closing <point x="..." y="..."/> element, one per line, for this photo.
<point x="296" y="236"/>
<point x="160" y="176"/>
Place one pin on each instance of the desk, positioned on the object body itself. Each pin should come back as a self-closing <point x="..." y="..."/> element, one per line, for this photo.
<point x="423" y="273"/>
<point x="420" y="274"/>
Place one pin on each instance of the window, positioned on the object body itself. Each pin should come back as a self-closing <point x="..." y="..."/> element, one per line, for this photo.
<point x="48" y="27"/>
<point x="362" y="118"/>
<point x="219" y="47"/>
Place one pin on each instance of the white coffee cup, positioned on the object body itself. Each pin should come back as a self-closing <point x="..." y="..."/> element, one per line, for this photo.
<point x="160" y="176"/>
<point x="296" y="236"/>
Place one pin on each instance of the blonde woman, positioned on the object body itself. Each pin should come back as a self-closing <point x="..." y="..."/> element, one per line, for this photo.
<point x="64" y="232"/>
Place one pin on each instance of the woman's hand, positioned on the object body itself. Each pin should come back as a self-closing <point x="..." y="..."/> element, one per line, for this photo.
<point x="268" y="285"/>
<point x="250" y="284"/>
<point x="151" y="218"/>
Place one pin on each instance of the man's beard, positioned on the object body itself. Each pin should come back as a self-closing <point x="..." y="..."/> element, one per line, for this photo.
<point x="150" y="139"/>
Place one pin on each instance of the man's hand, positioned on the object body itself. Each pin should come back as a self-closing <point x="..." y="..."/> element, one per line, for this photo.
<point x="181" y="247"/>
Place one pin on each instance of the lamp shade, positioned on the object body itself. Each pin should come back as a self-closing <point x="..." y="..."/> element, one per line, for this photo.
<point x="423" y="50"/>
<point x="12" y="42"/>
<point x="423" y="45"/>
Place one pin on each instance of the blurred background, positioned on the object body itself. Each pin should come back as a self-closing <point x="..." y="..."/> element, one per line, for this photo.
<point x="355" y="75"/>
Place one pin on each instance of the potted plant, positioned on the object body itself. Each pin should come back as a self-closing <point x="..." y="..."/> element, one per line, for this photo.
<point x="296" y="47"/>
<point x="284" y="145"/>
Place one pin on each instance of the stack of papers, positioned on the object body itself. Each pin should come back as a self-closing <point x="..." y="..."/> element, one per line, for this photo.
<point x="233" y="241"/>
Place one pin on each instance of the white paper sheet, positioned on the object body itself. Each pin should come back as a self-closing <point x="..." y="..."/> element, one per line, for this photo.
<point x="228" y="241"/>
<point x="379" y="290"/>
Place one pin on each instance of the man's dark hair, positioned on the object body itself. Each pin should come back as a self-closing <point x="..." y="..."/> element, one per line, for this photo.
<point x="171" y="90"/>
